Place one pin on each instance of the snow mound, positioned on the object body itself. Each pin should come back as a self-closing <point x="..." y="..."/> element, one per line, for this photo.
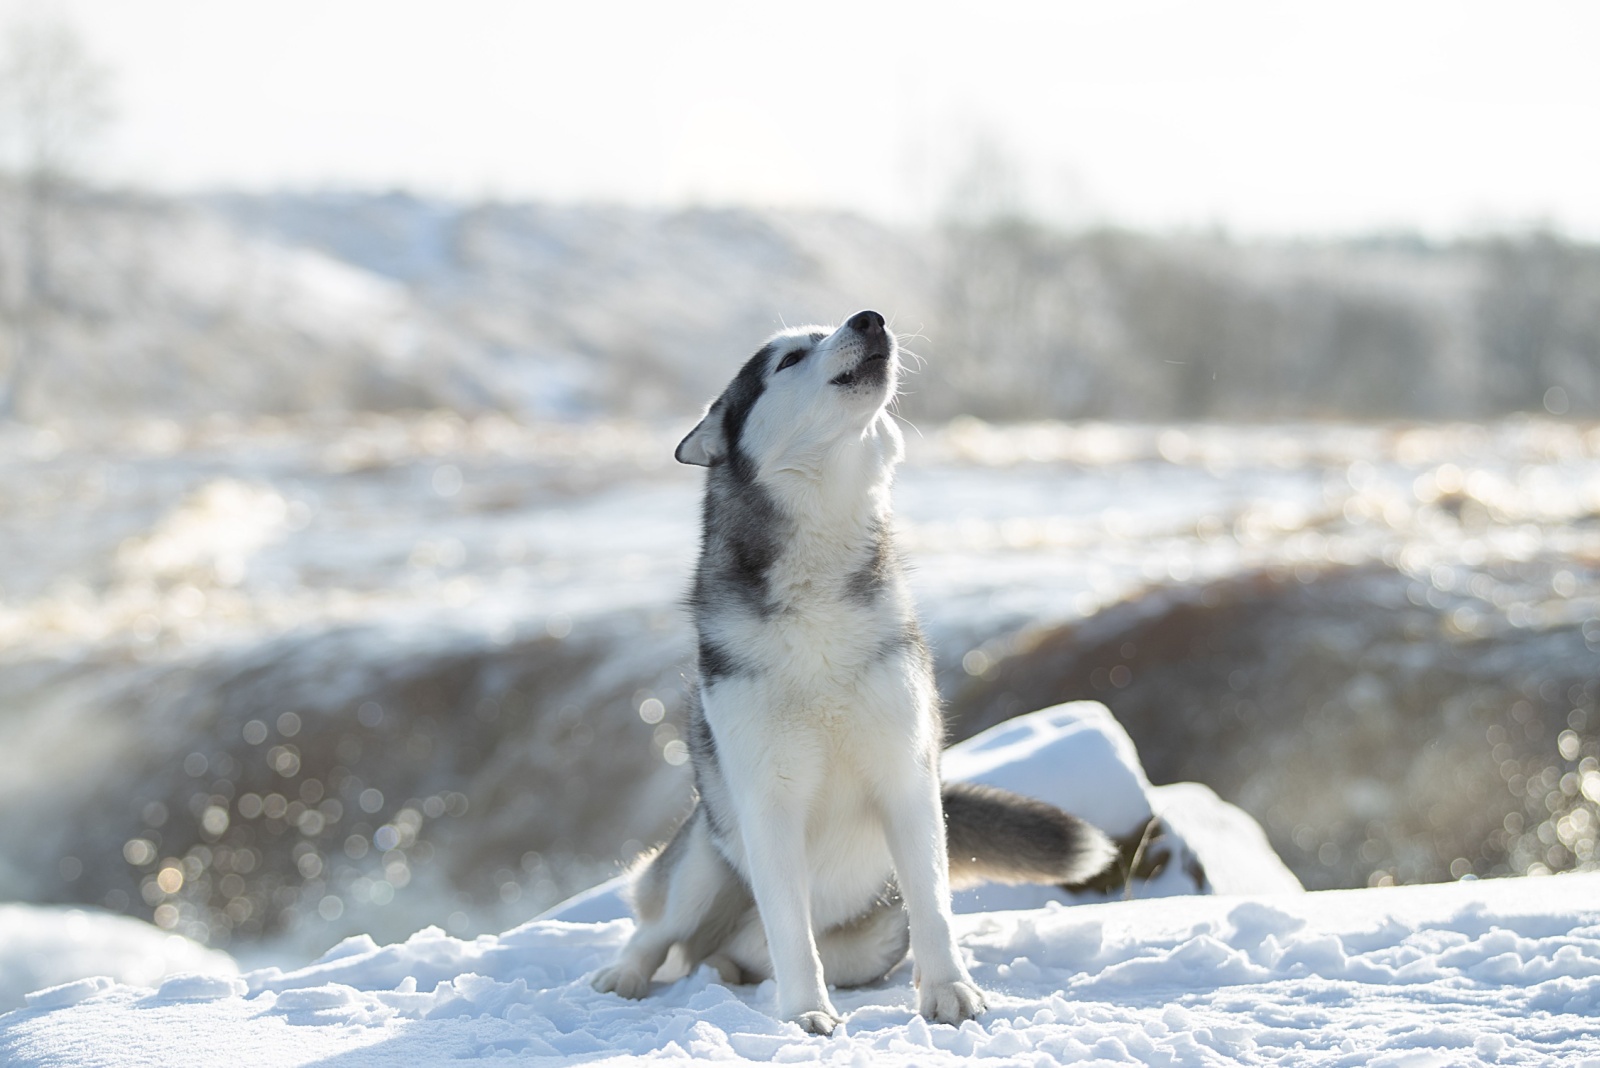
<point x="58" y="948"/>
<point x="1470" y="973"/>
<point x="57" y="997"/>
<point x="201" y="988"/>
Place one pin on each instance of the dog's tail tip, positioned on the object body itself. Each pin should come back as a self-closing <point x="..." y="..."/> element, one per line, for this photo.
<point x="998" y="836"/>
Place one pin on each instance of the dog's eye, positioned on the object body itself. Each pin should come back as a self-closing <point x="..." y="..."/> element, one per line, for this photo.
<point x="792" y="359"/>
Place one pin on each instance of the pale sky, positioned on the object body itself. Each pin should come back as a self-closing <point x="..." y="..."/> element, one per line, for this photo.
<point x="1261" y="116"/>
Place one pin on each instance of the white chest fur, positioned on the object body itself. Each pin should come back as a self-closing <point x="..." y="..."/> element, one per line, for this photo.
<point x="826" y="642"/>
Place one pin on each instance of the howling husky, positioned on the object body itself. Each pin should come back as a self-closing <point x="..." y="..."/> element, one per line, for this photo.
<point x="822" y="845"/>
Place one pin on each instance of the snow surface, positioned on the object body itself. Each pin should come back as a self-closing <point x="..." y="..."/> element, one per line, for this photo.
<point x="1494" y="972"/>
<point x="1504" y="972"/>
<point x="44" y="946"/>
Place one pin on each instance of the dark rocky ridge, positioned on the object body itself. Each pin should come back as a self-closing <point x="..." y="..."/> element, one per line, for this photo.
<point x="1380" y="727"/>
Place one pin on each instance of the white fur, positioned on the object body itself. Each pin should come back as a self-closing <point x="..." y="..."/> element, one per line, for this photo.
<point x="829" y="747"/>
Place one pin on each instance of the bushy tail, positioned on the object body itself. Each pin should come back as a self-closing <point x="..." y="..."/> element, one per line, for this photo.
<point x="1001" y="837"/>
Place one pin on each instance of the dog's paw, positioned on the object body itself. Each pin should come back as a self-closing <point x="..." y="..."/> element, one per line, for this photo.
<point x="951" y="1002"/>
<point x="817" y="1021"/>
<point x="626" y="982"/>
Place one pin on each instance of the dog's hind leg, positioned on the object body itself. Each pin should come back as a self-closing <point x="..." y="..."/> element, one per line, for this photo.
<point x="859" y="951"/>
<point x="868" y="947"/>
<point x="686" y="894"/>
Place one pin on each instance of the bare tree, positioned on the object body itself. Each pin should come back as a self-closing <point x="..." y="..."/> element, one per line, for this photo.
<point x="55" y="100"/>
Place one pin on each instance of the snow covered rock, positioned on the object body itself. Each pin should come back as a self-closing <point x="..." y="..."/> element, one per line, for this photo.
<point x="1078" y="757"/>
<point x="1075" y="756"/>
<point x="1229" y="844"/>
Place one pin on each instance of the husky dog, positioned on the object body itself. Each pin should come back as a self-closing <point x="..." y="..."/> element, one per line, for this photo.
<point x="821" y="845"/>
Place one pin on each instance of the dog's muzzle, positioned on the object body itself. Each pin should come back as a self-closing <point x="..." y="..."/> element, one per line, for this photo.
<point x="873" y="365"/>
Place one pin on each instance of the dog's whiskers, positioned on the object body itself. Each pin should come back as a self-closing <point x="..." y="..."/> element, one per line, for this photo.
<point x="921" y="361"/>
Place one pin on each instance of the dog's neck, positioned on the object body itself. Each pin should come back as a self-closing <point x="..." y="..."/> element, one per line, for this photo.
<point x="804" y="529"/>
<point x="838" y="492"/>
<point x="835" y="501"/>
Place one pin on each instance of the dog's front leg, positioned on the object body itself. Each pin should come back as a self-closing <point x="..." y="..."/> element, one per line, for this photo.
<point x="774" y="837"/>
<point x="772" y="774"/>
<point x="914" y="821"/>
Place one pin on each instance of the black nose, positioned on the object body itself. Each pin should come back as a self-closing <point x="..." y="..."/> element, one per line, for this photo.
<point x="866" y="322"/>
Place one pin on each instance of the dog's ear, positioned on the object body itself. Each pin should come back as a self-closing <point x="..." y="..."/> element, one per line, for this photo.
<point x="706" y="445"/>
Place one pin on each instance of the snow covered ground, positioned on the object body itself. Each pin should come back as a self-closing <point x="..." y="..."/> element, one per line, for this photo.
<point x="1492" y="972"/>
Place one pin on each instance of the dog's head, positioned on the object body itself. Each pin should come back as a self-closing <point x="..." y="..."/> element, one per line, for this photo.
<point x="805" y="391"/>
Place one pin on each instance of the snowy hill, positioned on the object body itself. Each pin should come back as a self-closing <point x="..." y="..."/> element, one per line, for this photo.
<point x="635" y="310"/>
<point x="351" y="302"/>
<point x="159" y="307"/>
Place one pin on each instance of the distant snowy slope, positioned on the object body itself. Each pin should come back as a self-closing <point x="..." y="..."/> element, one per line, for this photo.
<point x="640" y="310"/>
<point x="156" y="307"/>
<point x="643" y="310"/>
<point x="575" y="310"/>
<point x="328" y="302"/>
<point x="1474" y="973"/>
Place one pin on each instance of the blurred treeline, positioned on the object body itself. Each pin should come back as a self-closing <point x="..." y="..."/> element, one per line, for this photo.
<point x="1044" y="323"/>
<point x="132" y="304"/>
